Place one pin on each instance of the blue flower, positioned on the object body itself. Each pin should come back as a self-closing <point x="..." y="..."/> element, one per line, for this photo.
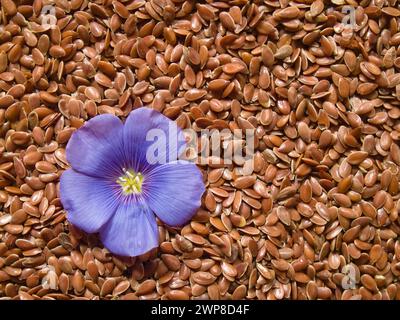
<point x="113" y="189"/>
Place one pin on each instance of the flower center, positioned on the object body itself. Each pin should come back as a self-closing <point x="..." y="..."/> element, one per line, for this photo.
<point x="131" y="182"/>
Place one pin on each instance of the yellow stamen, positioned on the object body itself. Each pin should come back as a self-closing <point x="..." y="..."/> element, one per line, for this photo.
<point x="131" y="182"/>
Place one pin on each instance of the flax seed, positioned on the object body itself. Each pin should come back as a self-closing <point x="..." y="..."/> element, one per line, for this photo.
<point x="323" y="103"/>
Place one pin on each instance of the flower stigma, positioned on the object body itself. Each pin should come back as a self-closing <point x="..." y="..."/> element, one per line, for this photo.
<point x="131" y="182"/>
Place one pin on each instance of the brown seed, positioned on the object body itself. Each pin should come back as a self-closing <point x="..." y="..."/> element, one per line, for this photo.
<point x="92" y="270"/>
<point x="284" y="215"/>
<point x="194" y="94"/>
<point x="218" y="84"/>
<point x="121" y="288"/>
<point x="63" y="283"/>
<point x="288" y="13"/>
<point x="244" y="182"/>
<point x="304" y="132"/>
<point x="316" y="8"/>
<point x="344" y="87"/>
<point x="357" y="157"/>
<point x="233" y="68"/>
<point x="14" y="228"/>
<point x="3" y="61"/>
<point x="228" y="269"/>
<point x="140" y="88"/>
<point x="6" y="101"/>
<point x="366" y="88"/>
<point x="203" y="278"/>
<point x="57" y="51"/>
<point x="107" y="287"/>
<point x="265" y="272"/>
<point x="213" y="292"/>
<point x="342" y="200"/>
<point x="78" y="281"/>
<point x="284" y="52"/>
<point x="45" y="167"/>
<point x="227" y="21"/>
<point x="369" y="282"/>
<point x="394" y="12"/>
<point x="172" y="262"/>
<point x="9" y="7"/>
<point x="177" y="295"/>
<point x="239" y="293"/>
<point x="146" y="287"/>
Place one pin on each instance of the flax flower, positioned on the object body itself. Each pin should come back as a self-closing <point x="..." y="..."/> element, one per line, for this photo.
<point x="112" y="188"/>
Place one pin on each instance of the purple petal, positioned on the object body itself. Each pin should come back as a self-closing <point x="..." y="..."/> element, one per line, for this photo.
<point x="146" y="130"/>
<point x="173" y="191"/>
<point x="96" y="148"/>
<point x="89" y="201"/>
<point x="132" y="231"/>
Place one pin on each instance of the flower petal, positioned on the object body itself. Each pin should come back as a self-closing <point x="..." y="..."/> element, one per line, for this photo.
<point x="151" y="138"/>
<point x="173" y="191"/>
<point x="89" y="201"/>
<point x="132" y="231"/>
<point x="97" y="147"/>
